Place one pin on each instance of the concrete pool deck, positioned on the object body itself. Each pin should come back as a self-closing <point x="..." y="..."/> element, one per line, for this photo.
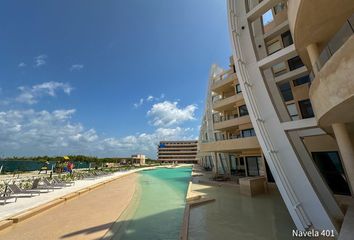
<point x="233" y="215"/>
<point x="26" y="204"/>
<point x="88" y="216"/>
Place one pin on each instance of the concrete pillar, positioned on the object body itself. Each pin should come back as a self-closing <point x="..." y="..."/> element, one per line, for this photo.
<point x="215" y="163"/>
<point x="346" y="150"/>
<point x="246" y="167"/>
<point x="313" y="53"/>
<point x="228" y="166"/>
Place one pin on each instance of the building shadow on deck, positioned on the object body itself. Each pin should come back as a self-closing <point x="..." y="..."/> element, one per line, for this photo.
<point x="165" y="225"/>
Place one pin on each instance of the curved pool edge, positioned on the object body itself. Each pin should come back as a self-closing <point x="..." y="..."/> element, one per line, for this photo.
<point x="124" y="219"/>
<point x="169" y="190"/>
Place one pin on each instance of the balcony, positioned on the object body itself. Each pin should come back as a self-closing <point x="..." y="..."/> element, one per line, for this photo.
<point x="332" y="89"/>
<point x="231" y="145"/>
<point x="177" y="156"/>
<point x="227" y="103"/>
<point x="316" y="21"/>
<point x="231" y="122"/>
<point x="223" y="82"/>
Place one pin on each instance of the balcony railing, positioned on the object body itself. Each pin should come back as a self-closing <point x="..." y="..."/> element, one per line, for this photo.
<point x="216" y="98"/>
<point x="223" y="75"/>
<point x="225" y="118"/>
<point x="344" y="33"/>
<point x="219" y="98"/>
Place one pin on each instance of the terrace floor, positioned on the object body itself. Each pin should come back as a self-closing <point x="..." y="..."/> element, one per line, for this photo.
<point x="88" y="216"/>
<point x="234" y="216"/>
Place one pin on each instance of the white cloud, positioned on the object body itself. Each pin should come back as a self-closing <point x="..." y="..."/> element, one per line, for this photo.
<point x="149" y="98"/>
<point x="138" y="104"/>
<point x="168" y="113"/>
<point x="22" y="64"/>
<point x="152" y="98"/>
<point x="40" y="60"/>
<point x="76" y="67"/>
<point x="30" y="132"/>
<point x="30" y="95"/>
<point x="41" y="131"/>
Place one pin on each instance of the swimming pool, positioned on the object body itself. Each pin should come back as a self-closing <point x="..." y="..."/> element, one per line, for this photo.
<point x="156" y="211"/>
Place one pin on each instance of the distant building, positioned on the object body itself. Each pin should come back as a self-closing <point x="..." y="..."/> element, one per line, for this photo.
<point x="178" y="151"/>
<point x="227" y="142"/>
<point x="138" y="159"/>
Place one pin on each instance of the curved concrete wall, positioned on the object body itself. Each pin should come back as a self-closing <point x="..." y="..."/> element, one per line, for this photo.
<point x="332" y="91"/>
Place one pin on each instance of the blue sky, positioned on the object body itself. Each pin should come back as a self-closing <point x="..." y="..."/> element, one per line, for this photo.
<point x="105" y="78"/>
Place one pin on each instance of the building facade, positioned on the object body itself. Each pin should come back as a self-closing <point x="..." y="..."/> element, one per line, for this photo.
<point x="227" y="143"/>
<point x="294" y="61"/>
<point x="138" y="159"/>
<point x="177" y="151"/>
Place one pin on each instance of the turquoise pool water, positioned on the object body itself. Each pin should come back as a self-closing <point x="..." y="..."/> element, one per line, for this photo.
<point x="159" y="207"/>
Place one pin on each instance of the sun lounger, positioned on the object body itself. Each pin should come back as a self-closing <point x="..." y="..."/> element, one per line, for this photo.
<point x="64" y="183"/>
<point x="19" y="192"/>
<point x="47" y="183"/>
<point x="36" y="186"/>
<point x="4" y="198"/>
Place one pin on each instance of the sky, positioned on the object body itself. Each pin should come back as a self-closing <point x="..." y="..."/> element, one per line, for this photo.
<point x="105" y="78"/>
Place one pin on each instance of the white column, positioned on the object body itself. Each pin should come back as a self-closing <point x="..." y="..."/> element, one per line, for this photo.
<point x="346" y="151"/>
<point x="215" y="162"/>
<point x="313" y="53"/>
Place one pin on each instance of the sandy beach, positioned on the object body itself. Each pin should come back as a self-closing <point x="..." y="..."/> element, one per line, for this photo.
<point x="88" y="216"/>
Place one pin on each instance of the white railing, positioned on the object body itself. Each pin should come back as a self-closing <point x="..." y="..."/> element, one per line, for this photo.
<point x="225" y="74"/>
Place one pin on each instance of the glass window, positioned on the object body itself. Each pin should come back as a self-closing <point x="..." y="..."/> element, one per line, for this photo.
<point x="242" y="161"/>
<point x="279" y="69"/>
<point x="295" y="63"/>
<point x="286" y="92"/>
<point x="306" y="108"/>
<point x="219" y="136"/>
<point x="279" y="7"/>
<point x="274" y="47"/>
<point x="332" y="171"/>
<point x="252" y="166"/>
<point x="248" y="133"/>
<point x="238" y="88"/>
<point x="233" y="166"/>
<point x="340" y="37"/>
<point x="267" y="17"/>
<point x="323" y="58"/>
<point x="293" y="111"/>
<point x="287" y="39"/>
<point x="301" y="80"/>
<point x="243" y="110"/>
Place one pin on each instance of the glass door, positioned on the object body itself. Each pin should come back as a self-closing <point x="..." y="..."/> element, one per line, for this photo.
<point x="233" y="164"/>
<point x="252" y="166"/>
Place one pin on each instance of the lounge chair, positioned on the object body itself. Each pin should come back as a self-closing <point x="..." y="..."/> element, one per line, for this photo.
<point x="4" y="198"/>
<point x="47" y="183"/>
<point x="58" y="181"/>
<point x="89" y="175"/>
<point x="36" y="186"/>
<point x="19" y="192"/>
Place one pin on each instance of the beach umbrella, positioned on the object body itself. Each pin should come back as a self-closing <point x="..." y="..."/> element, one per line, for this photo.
<point x="66" y="158"/>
